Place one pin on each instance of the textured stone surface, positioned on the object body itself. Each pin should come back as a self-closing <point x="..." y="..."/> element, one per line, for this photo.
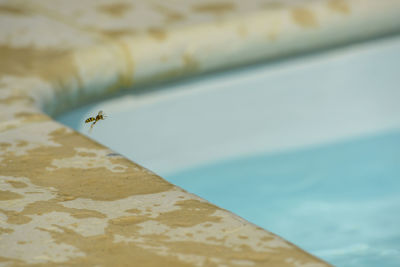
<point x="66" y="200"/>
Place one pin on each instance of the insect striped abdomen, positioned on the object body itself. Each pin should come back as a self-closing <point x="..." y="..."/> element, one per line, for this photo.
<point x="89" y="119"/>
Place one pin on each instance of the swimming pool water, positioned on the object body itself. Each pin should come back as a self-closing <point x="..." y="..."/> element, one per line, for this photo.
<point x="341" y="201"/>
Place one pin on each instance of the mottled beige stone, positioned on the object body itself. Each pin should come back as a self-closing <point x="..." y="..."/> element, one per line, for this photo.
<point x="214" y="8"/>
<point x="17" y="184"/>
<point x="304" y="17"/>
<point x="340" y="6"/>
<point x="115" y="9"/>
<point x="7" y="195"/>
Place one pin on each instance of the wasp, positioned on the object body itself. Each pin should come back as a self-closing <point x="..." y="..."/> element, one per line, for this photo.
<point x="100" y="116"/>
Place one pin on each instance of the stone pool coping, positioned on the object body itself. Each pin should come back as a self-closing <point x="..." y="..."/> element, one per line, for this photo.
<point x="67" y="200"/>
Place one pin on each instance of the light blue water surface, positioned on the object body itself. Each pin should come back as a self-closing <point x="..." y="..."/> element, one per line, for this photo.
<point x="341" y="201"/>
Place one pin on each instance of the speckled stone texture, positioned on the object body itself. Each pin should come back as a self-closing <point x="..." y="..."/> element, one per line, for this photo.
<point x="66" y="200"/>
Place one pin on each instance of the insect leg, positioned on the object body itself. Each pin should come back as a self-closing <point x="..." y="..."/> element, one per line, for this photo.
<point x="91" y="126"/>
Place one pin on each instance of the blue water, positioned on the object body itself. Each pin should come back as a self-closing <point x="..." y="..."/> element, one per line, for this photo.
<point x="340" y="201"/>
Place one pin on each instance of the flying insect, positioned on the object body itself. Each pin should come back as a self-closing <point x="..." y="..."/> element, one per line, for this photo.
<point x="99" y="116"/>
